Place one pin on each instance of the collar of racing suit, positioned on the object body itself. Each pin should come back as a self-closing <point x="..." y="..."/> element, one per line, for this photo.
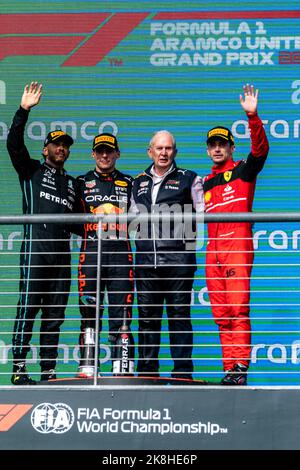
<point x="106" y="176"/>
<point x="60" y="171"/>
<point x="228" y="165"/>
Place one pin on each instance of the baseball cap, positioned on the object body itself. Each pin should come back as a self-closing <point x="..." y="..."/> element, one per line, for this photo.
<point x="220" y="132"/>
<point x="58" y="135"/>
<point x="106" y="139"/>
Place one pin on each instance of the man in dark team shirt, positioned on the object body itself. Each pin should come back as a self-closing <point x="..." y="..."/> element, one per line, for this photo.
<point x="165" y="257"/>
<point x="230" y="188"/>
<point x="45" y="252"/>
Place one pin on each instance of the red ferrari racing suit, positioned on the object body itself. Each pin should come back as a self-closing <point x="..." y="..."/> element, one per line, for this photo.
<point x="229" y="255"/>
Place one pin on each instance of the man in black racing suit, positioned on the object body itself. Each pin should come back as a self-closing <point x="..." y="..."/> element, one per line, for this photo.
<point x="104" y="190"/>
<point x="45" y="253"/>
<point x="165" y="258"/>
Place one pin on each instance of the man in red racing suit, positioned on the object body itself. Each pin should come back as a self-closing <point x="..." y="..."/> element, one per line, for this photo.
<point x="229" y="256"/>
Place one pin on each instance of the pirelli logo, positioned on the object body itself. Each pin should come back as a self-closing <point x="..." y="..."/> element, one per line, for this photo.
<point x="56" y="134"/>
<point x="218" y="131"/>
<point x="105" y="139"/>
<point x="10" y="414"/>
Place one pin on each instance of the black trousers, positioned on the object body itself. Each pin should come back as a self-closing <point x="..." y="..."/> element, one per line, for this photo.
<point x="116" y="279"/>
<point x="44" y="285"/>
<point x="173" y="285"/>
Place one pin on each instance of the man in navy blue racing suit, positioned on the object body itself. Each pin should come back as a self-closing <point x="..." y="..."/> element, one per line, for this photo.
<point x="104" y="190"/>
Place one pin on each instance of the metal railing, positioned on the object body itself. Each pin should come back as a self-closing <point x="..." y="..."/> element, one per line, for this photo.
<point x="275" y="288"/>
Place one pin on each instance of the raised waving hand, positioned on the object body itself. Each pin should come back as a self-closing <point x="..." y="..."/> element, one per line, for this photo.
<point x="31" y="95"/>
<point x="249" y="101"/>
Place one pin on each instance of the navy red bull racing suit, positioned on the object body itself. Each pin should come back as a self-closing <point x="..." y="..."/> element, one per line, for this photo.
<point x="105" y="193"/>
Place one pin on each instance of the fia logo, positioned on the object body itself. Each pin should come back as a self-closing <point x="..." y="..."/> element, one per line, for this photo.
<point x="52" y="418"/>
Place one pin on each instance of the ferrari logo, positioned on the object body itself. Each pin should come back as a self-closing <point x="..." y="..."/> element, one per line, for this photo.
<point x="207" y="196"/>
<point x="227" y="176"/>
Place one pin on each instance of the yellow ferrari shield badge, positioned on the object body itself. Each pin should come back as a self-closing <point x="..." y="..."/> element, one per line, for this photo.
<point x="227" y="176"/>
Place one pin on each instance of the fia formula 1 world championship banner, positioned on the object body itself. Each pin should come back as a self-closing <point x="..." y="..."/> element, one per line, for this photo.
<point x="132" y="68"/>
<point x="148" y="419"/>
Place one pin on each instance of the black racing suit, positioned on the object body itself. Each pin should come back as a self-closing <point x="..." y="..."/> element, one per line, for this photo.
<point x="165" y="266"/>
<point x="105" y="194"/>
<point x="45" y="252"/>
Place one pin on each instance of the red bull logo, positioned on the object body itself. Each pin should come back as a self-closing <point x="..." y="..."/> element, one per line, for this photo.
<point x="107" y="209"/>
